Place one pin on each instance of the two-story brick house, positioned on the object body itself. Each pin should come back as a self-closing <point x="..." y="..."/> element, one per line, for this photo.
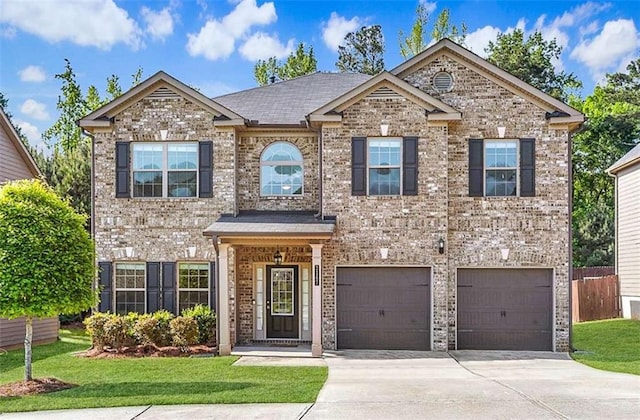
<point x="424" y="208"/>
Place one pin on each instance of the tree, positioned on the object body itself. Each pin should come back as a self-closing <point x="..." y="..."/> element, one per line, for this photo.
<point x="362" y="51"/>
<point x="46" y="257"/>
<point x="611" y="130"/>
<point x="531" y="60"/>
<point x="299" y="63"/>
<point x="416" y="41"/>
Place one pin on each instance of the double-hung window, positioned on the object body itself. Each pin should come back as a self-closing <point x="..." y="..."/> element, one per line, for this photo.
<point x="501" y="167"/>
<point x="130" y="279"/>
<point x="384" y="166"/>
<point x="281" y="170"/>
<point x="165" y="169"/>
<point x="193" y="285"/>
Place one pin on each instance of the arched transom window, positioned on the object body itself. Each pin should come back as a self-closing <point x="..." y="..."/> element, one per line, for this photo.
<point x="281" y="170"/>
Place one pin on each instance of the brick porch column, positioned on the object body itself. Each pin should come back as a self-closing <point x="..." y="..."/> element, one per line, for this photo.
<point x="316" y="326"/>
<point x="224" y="342"/>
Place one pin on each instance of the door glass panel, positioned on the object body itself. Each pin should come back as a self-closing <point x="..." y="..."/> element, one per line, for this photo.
<point x="282" y="291"/>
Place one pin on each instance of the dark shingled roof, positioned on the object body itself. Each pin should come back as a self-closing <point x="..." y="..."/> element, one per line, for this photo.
<point x="289" y="102"/>
<point x="631" y="157"/>
<point x="271" y="223"/>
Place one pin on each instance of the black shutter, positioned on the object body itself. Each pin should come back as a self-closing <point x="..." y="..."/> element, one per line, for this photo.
<point x="527" y="167"/>
<point x="169" y="287"/>
<point x="410" y="166"/>
<point x="153" y="286"/>
<point x="122" y="170"/>
<point x="359" y="166"/>
<point x="213" y="297"/>
<point x="476" y="168"/>
<point x="205" y="169"/>
<point x="106" y="285"/>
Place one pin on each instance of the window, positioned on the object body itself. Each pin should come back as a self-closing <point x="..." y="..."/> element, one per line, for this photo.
<point x="130" y="288"/>
<point x="193" y="285"/>
<point x="281" y="170"/>
<point x="384" y="166"/>
<point x="165" y="169"/>
<point x="501" y="168"/>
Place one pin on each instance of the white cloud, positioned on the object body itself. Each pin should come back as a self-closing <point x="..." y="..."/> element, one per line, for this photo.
<point x="89" y="23"/>
<point x="334" y="31"/>
<point x="590" y="28"/>
<point x="32" y="74"/>
<point x="613" y="47"/>
<point x="261" y="46"/>
<point x="479" y="39"/>
<point x="429" y="7"/>
<point x="159" y="24"/>
<point x="34" y="109"/>
<point x="31" y="132"/>
<point x="217" y="37"/>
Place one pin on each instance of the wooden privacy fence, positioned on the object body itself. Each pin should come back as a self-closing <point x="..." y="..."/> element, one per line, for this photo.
<point x="600" y="271"/>
<point x="595" y="298"/>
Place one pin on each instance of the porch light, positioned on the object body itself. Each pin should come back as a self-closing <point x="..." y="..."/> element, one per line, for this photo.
<point x="384" y="129"/>
<point x="277" y="258"/>
<point x="441" y="246"/>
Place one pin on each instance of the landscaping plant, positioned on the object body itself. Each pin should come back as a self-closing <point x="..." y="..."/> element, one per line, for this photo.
<point x="206" y="320"/>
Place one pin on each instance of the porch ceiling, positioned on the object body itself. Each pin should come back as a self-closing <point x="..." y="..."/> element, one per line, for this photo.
<point x="290" y="226"/>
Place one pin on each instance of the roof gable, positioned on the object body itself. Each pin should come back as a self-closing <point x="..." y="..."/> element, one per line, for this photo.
<point x="558" y="111"/>
<point x="630" y="159"/>
<point x="160" y="84"/>
<point x="14" y="138"/>
<point x="385" y="84"/>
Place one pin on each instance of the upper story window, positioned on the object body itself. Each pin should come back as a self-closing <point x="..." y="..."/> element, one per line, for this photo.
<point x="281" y="170"/>
<point x="502" y="168"/>
<point x="384" y="166"/>
<point x="165" y="169"/>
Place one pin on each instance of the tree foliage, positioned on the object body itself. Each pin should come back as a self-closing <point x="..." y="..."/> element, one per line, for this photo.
<point x="611" y="130"/>
<point x="444" y="29"/>
<point x="531" y="60"/>
<point x="362" y="51"/>
<point x="299" y="63"/>
<point x="416" y="42"/>
<point x="46" y="256"/>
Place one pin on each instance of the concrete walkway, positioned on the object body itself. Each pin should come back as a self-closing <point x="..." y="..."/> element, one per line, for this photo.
<point x="408" y="385"/>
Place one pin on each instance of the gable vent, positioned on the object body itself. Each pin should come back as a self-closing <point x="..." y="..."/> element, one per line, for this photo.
<point x="384" y="93"/>
<point x="442" y="82"/>
<point x="164" y="93"/>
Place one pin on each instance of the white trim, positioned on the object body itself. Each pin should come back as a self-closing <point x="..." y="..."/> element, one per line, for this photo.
<point x="485" y="168"/>
<point x="400" y="140"/>
<point x="116" y="289"/>
<point x="207" y="265"/>
<point x="299" y="163"/>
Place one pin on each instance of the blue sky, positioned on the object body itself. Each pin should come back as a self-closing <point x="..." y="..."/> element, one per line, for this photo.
<point x="213" y="44"/>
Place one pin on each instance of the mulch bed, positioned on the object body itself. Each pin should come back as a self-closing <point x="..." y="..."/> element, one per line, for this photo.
<point x="35" y="386"/>
<point x="148" y="350"/>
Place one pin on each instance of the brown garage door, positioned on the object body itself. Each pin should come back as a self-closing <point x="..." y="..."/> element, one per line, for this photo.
<point x="505" y="309"/>
<point x="385" y="308"/>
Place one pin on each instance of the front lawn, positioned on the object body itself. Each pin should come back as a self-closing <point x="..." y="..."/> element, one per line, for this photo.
<point x="146" y="381"/>
<point x="613" y="345"/>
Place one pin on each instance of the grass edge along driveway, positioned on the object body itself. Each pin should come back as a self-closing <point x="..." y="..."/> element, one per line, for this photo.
<point x="612" y="344"/>
<point x="114" y="382"/>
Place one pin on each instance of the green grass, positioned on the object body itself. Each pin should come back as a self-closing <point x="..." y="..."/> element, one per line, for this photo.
<point x="612" y="345"/>
<point x="146" y="381"/>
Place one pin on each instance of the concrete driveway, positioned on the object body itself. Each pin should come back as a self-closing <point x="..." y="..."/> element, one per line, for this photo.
<point x="472" y="384"/>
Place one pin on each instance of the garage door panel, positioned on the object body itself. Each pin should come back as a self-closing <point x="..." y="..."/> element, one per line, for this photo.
<point x="505" y="309"/>
<point x="383" y="308"/>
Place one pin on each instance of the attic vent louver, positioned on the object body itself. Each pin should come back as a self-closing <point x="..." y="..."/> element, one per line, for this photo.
<point x="442" y="82"/>
<point x="384" y="93"/>
<point x="164" y="93"/>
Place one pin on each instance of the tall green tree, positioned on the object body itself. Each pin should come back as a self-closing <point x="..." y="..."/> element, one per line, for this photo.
<point x="46" y="257"/>
<point x="362" y="51"/>
<point x="444" y="29"/>
<point x="417" y="40"/>
<point x="299" y="63"/>
<point x="611" y="130"/>
<point x="531" y="60"/>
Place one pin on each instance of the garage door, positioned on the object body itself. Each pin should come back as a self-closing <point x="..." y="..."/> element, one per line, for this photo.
<point x="505" y="309"/>
<point x="385" y="308"/>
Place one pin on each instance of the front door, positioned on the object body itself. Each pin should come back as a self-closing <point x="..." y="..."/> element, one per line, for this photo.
<point x="282" y="302"/>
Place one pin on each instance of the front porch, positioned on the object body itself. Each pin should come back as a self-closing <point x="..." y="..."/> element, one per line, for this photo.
<point x="269" y="280"/>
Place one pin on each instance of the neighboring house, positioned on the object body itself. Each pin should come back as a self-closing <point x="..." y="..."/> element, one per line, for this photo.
<point x="627" y="177"/>
<point x="423" y="208"/>
<point x="17" y="163"/>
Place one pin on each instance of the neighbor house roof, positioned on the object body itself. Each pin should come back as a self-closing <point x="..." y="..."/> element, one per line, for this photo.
<point x="558" y="112"/>
<point x="289" y="102"/>
<point x="631" y="158"/>
<point x="14" y="138"/>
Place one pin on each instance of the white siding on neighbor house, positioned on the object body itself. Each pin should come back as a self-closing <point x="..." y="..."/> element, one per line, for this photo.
<point x="628" y="233"/>
<point x="12" y="331"/>
<point x="12" y="164"/>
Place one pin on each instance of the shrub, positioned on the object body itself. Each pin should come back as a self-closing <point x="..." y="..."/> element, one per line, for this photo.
<point x="116" y="332"/>
<point x="95" y="328"/>
<point x="206" y="320"/>
<point x="164" y="329"/>
<point x="145" y="330"/>
<point x="184" y="331"/>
